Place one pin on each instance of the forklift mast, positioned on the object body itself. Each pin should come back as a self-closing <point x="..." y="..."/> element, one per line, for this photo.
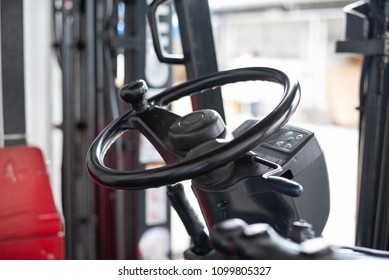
<point x="367" y="26"/>
<point x="104" y="223"/>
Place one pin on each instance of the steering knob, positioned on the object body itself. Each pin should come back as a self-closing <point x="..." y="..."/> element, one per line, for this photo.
<point x="135" y="94"/>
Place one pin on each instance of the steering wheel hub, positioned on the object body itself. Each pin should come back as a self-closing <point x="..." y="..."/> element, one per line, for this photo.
<point x="196" y="128"/>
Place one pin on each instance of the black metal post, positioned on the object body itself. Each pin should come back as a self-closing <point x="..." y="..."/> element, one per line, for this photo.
<point x="199" y="49"/>
<point x="367" y="33"/>
<point x="68" y="181"/>
<point x="381" y="226"/>
<point x="134" y="68"/>
<point x="90" y="117"/>
<point x="373" y="125"/>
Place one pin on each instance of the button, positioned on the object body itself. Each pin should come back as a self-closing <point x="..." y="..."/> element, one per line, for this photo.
<point x="288" y="146"/>
<point x="299" y="137"/>
<point x="289" y="139"/>
<point x="289" y="134"/>
<point x="280" y="143"/>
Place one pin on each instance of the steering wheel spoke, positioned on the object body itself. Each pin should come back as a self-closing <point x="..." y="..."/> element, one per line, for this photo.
<point x="154" y="124"/>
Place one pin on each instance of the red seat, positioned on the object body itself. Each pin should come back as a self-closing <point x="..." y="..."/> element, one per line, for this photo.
<point x="30" y="225"/>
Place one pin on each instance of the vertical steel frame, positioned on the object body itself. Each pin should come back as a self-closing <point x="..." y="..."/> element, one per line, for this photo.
<point x="68" y="178"/>
<point x="77" y="57"/>
<point x="367" y="34"/>
<point x="100" y="223"/>
<point x="199" y="49"/>
<point x="372" y="223"/>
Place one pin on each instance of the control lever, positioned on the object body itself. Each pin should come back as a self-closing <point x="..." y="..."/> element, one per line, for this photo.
<point x="189" y="218"/>
<point x="277" y="183"/>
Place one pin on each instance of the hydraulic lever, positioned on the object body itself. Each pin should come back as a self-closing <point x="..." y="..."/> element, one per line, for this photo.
<point x="277" y="183"/>
<point x="201" y="243"/>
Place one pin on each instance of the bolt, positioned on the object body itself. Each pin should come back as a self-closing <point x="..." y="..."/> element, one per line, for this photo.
<point x="223" y="204"/>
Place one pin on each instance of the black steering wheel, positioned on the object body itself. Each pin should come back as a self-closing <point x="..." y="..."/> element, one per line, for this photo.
<point x="154" y="122"/>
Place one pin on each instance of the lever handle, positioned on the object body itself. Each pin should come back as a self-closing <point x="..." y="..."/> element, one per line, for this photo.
<point x="285" y="186"/>
<point x="189" y="218"/>
<point x="161" y="54"/>
<point x="277" y="183"/>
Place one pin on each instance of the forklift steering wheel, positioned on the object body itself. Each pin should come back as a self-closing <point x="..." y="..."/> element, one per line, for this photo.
<point x="154" y="122"/>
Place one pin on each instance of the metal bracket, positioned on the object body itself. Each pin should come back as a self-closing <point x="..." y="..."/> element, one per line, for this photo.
<point x="364" y="46"/>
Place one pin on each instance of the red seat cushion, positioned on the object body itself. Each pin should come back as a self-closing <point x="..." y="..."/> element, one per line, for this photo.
<point x="27" y="208"/>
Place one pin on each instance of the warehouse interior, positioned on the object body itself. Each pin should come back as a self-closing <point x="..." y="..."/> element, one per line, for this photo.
<point x="65" y="64"/>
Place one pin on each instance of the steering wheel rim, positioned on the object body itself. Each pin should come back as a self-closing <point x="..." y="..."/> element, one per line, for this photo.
<point x="187" y="169"/>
